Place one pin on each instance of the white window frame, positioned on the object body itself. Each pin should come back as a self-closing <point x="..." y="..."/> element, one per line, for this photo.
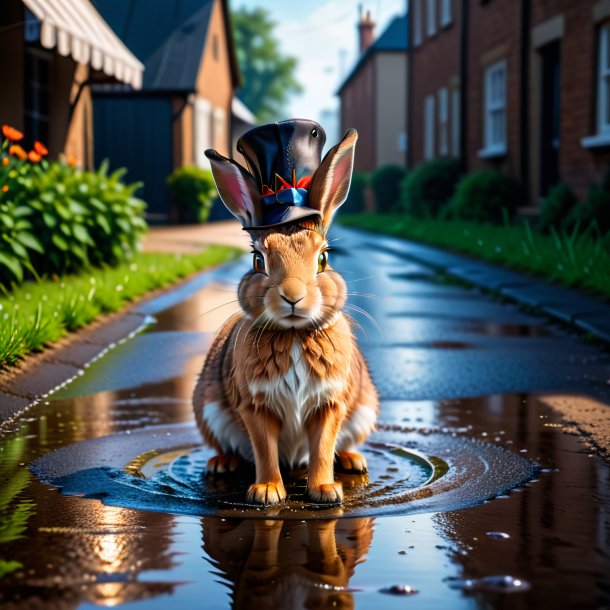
<point x="446" y="13"/>
<point x="202" y="127"/>
<point x="417" y="15"/>
<point x="603" y="80"/>
<point x="443" y="121"/>
<point x="429" y="131"/>
<point x="495" y="111"/>
<point x="431" y="17"/>
<point x="455" y="122"/>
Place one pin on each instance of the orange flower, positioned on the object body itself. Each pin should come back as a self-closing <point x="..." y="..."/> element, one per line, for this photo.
<point x="71" y="160"/>
<point x="5" y="188"/>
<point x="10" y="133"/>
<point x="17" y="151"/>
<point x="5" y="161"/>
<point x="33" y="156"/>
<point x="40" y="148"/>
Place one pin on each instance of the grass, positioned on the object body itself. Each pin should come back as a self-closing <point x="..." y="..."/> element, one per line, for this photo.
<point x="37" y="314"/>
<point x="577" y="260"/>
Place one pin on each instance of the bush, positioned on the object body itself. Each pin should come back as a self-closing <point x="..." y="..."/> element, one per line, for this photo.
<point x="556" y="207"/>
<point x="485" y="196"/>
<point x="385" y="182"/>
<point x="356" y="202"/>
<point x="56" y="218"/>
<point x="193" y="191"/>
<point x="594" y="211"/>
<point x="429" y="187"/>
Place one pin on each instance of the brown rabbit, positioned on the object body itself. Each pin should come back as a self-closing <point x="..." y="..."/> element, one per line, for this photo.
<point x="284" y="382"/>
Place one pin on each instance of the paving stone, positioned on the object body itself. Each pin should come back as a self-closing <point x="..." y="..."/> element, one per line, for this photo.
<point x="11" y="405"/>
<point x="42" y="378"/>
<point x="79" y="354"/>
<point x="596" y="323"/>
<point x="116" y="330"/>
<point x="493" y="278"/>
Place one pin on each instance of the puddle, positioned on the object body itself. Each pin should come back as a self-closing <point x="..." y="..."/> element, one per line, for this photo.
<point x="444" y="513"/>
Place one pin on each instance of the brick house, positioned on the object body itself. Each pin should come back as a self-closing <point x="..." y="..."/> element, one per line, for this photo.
<point x="51" y="54"/>
<point x="185" y="103"/>
<point x="529" y="83"/>
<point x="373" y="96"/>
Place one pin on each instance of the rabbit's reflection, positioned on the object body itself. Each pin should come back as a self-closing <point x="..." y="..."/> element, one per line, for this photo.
<point x="288" y="564"/>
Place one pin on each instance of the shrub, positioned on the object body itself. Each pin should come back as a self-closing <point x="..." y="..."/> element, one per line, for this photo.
<point x="429" y="187"/>
<point x="56" y="218"/>
<point x="356" y="202"/>
<point x="385" y="182"/>
<point x="193" y="191"/>
<point x="594" y="211"/>
<point x="485" y="196"/>
<point x="556" y="207"/>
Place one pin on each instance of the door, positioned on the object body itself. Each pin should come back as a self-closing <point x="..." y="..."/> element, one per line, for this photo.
<point x="549" y="116"/>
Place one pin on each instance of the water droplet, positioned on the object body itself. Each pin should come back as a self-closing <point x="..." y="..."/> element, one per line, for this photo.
<point x="500" y="535"/>
<point x="399" y="590"/>
<point x="500" y="584"/>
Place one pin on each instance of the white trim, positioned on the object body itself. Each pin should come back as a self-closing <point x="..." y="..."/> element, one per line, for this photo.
<point x="455" y="122"/>
<point x="599" y="140"/>
<point x="443" y="121"/>
<point x="603" y="80"/>
<point x="494" y="113"/>
<point x="492" y="152"/>
<point x="417" y="29"/>
<point x="431" y="17"/>
<point x="429" y="122"/>
<point x="446" y="13"/>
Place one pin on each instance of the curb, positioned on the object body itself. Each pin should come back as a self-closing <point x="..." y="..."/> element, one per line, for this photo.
<point x="585" y="312"/>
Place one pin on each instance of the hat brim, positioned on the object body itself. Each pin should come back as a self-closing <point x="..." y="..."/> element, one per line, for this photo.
<point x="285" y="215"/>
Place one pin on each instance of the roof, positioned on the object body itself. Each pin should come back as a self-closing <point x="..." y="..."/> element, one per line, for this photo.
<point x="168" y="36"/>
<point x="242" y="112"/>
<point x="393" y="38"/>
<point x="78" y="30"/>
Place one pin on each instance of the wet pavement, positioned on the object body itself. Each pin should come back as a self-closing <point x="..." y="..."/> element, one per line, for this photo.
<point x="461" y="379"/>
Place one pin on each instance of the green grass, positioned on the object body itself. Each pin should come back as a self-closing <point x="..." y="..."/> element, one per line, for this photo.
<point x="577" y="260"/>
<point x="38" y="314"/>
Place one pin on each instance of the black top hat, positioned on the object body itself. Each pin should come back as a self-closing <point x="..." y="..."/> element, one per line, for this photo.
<point x="283" y="157"/>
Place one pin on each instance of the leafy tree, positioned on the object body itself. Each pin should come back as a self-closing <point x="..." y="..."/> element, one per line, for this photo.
<point x="268" y="75"/>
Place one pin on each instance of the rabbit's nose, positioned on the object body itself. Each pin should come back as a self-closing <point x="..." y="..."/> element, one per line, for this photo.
<point x="292" y="290"/>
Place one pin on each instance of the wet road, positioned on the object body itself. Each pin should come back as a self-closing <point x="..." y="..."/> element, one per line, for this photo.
<point x="448" y="361"/>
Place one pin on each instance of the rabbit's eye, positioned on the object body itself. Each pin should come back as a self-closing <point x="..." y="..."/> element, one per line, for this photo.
<point x="258" y="262"/>
<point x="314" y="133"/>
<point x="322" y="261"/>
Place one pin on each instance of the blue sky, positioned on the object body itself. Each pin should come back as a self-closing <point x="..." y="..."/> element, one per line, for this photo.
<point x="321" y="34"/>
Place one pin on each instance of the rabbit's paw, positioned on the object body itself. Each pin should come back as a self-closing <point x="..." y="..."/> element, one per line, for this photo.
<point x="327" y="493"/>
<point x="266" y="494"/>
<point x="222" y="464"/>
<point x="350" y="461"/>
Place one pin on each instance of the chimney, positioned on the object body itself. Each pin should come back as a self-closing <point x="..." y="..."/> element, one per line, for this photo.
<point x="366" y="30"/>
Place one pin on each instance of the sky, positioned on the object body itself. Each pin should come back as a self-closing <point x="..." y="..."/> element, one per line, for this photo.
<point x="322" y="35"/>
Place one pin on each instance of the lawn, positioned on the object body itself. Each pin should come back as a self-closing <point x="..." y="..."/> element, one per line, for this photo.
<point x="576" y="260"/>
<point x="38" y="313"/>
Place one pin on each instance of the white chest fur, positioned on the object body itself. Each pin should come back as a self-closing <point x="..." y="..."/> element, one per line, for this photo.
<point x="293" y="397"/>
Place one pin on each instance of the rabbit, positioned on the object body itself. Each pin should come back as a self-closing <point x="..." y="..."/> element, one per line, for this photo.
<point x="284" y="382"/>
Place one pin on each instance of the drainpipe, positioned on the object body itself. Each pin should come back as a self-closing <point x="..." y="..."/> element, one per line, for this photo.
<point x="524" y="97"/>
<point x="464" y="88"/>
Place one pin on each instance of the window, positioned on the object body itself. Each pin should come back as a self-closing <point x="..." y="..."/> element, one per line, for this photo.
<point x="36" y="103"/>
<point x="446" y="14"/>
<point x="431" y="18"/>
<point x="202" y="128"/>
<point x="429" y="120"/>
<point x="443" y="121"/>
<point x="417" y="22"/>
<point x="603" y="81"/>
<point x="401" y="143"/>
<point x="455" y="123"/>
<point x="495" y="110"/>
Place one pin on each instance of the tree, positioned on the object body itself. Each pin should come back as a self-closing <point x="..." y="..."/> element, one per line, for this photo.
<point x="268" y="75"/>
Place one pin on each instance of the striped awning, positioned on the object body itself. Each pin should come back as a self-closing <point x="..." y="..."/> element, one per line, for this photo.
<point x="76" y="29"/>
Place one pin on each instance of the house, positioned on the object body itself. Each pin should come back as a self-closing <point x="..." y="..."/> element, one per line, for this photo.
<point x="185" y="103"/>
<point x="53" y="51"/>
<point x="373" y="96"/>
<point x="527" y="88"/>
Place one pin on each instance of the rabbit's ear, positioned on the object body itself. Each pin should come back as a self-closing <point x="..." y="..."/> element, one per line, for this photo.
<point x="236" y="187"/>
<point x="330" y="184"/>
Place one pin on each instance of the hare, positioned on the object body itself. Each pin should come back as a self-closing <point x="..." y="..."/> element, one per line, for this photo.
<point x="284" y="383"/>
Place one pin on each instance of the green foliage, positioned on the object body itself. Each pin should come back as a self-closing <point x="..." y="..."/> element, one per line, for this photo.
<point x="36" y="314"/>
<point x="356" y="201"/>
<point x="55" y="219"/>
<point x="485" y="196"/>
<point x="193" y="191"/>
<point x="594" y="212"/>
<point x="556" y="207"/>
<point x="268" y="75"/>
<point x="385" y="182"/>
<point x="429" y="187"/>
<point x="572" y="259"/>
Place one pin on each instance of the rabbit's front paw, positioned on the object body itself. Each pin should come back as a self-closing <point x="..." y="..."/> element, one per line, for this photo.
<point x="327" y="493"/>
<point x="266" y="493"/>
<point x="350" y="461"/>
<point x="221" y="464"/>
